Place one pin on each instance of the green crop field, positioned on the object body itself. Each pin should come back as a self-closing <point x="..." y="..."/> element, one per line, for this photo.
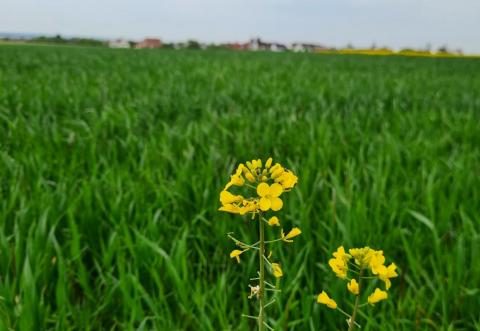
<point x="112" y="161"/>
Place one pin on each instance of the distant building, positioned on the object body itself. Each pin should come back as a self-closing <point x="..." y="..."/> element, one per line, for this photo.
<point x="149" y="43"/>
<point x="236" y="46"/>
<point x="276" y="47"/>
<point x="119" y="43"/>
<point x="303" y="47"/>
<point x="256" y="44"/>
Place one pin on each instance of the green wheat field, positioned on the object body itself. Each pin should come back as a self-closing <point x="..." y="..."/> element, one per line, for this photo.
<point x="111" y="164"/>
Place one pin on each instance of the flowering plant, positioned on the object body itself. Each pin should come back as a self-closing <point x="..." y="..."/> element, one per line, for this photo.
<point x="365" y="260"/>
<point x="264" y="186"/>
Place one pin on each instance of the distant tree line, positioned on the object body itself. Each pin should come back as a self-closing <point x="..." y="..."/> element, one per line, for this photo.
<point x="58" y="39"/>
<point x="194" y="44"/>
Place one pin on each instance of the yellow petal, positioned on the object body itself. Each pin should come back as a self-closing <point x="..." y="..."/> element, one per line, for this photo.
<point x="268" y="163"/>
<point x="263" y="189"/>
<point x="353" y="287"/>
<point x="324" y="299"/>
<point x="287" y="179"/>
<point x="293" y="233"/>
<point x="391" y="273"/>
<point x="388" y="283"/>
<point x="227" y="198"/>
<point x="376" y="296"/>
<point x="235" y="180"/>
<point x="236" y="254"/>
<point x="265" y="204"/>
<point x="274" y="221"/>
<point x="277" y="271"/>
<point x="230" y="209"/>
<point x="277" y="172"/>
<point x="276" y="189"/>
<point x="239" y="170"/>
<point x="339" y="267"/>
<point x="341" y="255"/>
<point x="250" y="177"/>
<point x="276" y="204"/>
<point x="274" y="168"/>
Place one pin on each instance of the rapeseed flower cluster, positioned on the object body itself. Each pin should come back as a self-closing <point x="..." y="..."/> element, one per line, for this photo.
<point x="262" y="187"/>
<point x="364" y="258"/>
<point x="269" y="183"/>
<point x="357" y="266"/>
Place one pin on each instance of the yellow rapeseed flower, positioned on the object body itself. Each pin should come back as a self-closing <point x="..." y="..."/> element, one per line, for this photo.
<point x="293" y="233"/>
<point x="362" y="256"/>
<point x="249" y="206"/>
<point x="269" y="196"/>
<point x="236" y="179"/>
<point x="277" y="172"/>
<point x="274" y="221"/>
<point x="277" y="270"/>
<point x="249" y="176"/>
<point x="228" y="198"/>
<point x="287" y="179"/>
<point x="385" y="273"/>
<point x="339" y="267"/>
<point x="365" y="258"/>
<point x="323" y="298"/>
<point x="353" y="287"/>
<point x="254" y="165"/>
<point x="230" y="208"/>
<point x="377" y="296"/>
<point x="268" y="164"/>
<point x="341" y="255"/>
<point x="236" y="254"/>
<point x="275" y="168"/>
<point x="376" y="261"/>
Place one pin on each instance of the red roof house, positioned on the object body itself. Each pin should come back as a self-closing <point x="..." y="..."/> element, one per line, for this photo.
<point x="149" y="43"/>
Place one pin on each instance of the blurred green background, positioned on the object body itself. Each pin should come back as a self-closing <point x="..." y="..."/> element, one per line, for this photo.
<point x="111" y="164"/>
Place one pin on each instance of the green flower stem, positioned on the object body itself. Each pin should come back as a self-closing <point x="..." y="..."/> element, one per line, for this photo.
<point x="272" y="290"/>
<point x="268" y="326"/>
<point x="272" y="286"/>
<point x="242" y="244"/>
<point x="268" y="262"/>
<point x="261" y="292"/>
<point x="357" y="302"/>
<point x="272" y="241"/>
<point x="347" y="315"/>
<point x="268" y="304"/>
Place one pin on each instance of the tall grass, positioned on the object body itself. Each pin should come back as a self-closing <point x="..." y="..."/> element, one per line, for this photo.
<point x="111" y="162"/>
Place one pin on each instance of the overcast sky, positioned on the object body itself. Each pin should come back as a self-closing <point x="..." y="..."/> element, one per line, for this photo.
<point x="394" y="23"/>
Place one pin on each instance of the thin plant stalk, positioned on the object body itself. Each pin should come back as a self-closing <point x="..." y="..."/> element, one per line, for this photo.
<point x="261" y="291"/>
<point x="357" y="302"/>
